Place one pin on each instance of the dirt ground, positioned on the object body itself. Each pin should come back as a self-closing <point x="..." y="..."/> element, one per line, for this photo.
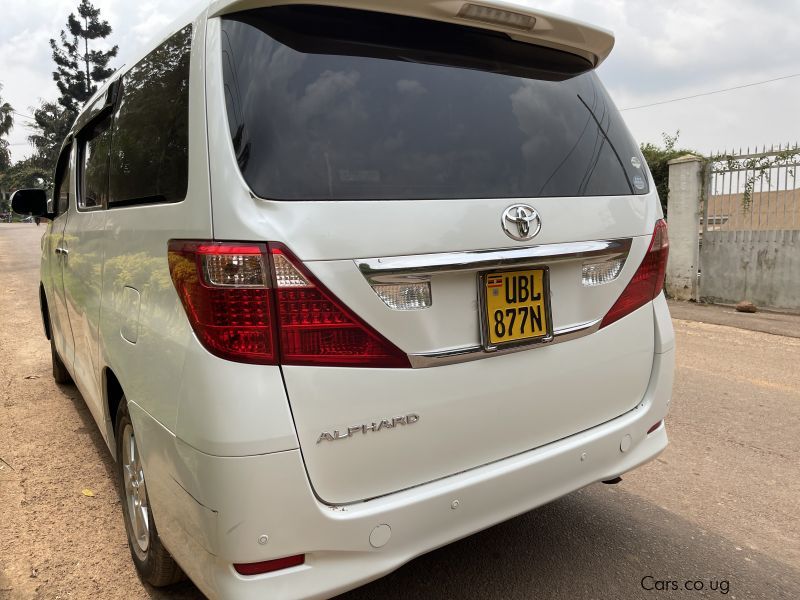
<point x="720" y="504"/>
<point x="55" y="542"/>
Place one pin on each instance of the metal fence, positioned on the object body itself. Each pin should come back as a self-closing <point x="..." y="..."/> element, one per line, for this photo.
<point x="753" y="191"/>
<point x="750" y="228"/>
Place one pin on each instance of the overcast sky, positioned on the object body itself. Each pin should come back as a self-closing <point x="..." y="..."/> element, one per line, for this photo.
<point x="664" y="50"/>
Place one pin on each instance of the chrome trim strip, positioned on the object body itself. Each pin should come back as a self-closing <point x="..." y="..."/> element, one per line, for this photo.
<point x="491" y="259"/>
<point x="470" y="353"/>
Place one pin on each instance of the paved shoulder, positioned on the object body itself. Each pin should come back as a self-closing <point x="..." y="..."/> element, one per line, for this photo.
<point x="774" y="323"/>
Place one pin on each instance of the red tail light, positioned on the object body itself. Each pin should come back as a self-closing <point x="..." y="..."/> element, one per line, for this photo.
<point x="316" y="328"/>
<point x="648" y="281"/>
<point x="225" y="291"/>
<point x="248" y="304"/>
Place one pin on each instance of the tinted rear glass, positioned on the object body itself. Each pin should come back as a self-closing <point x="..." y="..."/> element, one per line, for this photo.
<point x="94" y="169"/>
<point x="329" y="103"/>
<point x="63" y="180"/>
<point x="150" y="149"/>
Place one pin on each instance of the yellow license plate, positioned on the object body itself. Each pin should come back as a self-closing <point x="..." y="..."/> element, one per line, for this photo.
<point x="516" y="306"/>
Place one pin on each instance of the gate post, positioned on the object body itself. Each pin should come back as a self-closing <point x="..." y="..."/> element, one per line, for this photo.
<point x="683" y="216"/>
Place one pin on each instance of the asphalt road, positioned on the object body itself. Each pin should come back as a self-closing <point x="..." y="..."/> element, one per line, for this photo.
<point x="784" y="324"/>
<point x="719" y="509"/>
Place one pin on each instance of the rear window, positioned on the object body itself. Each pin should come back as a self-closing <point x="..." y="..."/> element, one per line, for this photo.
<point x="330" y="103"/>
<point x="150" y="148"/>
<point x="93" y="172"/>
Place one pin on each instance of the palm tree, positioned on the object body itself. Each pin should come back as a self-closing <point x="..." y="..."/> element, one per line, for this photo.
<point x="6" y="116"/>
<point x="6" y="123"/>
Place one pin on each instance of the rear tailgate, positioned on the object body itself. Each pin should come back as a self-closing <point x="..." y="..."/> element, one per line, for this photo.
<point x="468" y="414"/>
<point x="368" y="161"/>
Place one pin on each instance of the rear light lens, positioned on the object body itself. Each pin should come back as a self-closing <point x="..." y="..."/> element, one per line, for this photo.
<point x="497" y="16"/>
<point x="317" y="329"/>
<point x="647" y="282"/>
<point x="268" y="566"/>
<point x="257" y="304"/>
<point x="225" y="291"/>
<point x="411" y="295"/>
<point x="654" y="427"/>
<point x="601" y="273"/>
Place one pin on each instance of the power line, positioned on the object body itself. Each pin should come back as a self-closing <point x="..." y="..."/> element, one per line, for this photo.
<point x="730" y="89"/>
<point x="19" y="114"/>
<point x="659" y="103"/>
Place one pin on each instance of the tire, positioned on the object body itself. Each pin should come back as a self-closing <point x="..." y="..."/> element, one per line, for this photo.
<point x="60" y="373"/>
<point x="154" y="563"/>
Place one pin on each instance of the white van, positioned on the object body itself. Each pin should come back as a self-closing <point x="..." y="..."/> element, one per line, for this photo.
<point x="341" y="285"/>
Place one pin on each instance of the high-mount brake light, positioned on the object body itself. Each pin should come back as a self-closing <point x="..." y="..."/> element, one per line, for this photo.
<point x="257" y="303"/>
<point x="497" y="16"/>
<point x="648" y="281"/>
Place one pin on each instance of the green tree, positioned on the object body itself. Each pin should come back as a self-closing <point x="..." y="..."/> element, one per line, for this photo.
<point x="77" y="67"/>
<point x="26" y="173"/>
<point x="6" y="123"/>
<point x="658" y="160"/>
<point x="6" y="116"/>
<point x="52" y="124"/>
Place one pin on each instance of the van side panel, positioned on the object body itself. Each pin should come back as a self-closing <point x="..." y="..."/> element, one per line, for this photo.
<point x="51" y="269"/>
<point x="150" y="369"/>
<point x="84" y="238"/>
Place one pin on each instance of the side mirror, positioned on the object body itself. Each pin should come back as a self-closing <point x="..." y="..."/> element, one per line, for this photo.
<point x="31" y="201"/>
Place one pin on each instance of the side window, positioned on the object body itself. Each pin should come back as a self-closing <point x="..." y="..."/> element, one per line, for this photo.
<point x="63" y="180"/>
<point x="94" y="147"/>
<point x="150" y="139"/>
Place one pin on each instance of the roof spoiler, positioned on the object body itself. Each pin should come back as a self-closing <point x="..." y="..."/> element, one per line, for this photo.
<point x="512" y="17"/>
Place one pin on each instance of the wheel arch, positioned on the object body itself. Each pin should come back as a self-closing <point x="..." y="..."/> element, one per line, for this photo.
<point x="112" y="395"/>
<point x="45" y="312"/>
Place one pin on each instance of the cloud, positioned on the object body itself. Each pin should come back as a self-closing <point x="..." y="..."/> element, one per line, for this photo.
<point x="26" y="64"/>
<point x="680" y="48"/>
<point x="411" y="87"/>
<point x="663" y="50"/>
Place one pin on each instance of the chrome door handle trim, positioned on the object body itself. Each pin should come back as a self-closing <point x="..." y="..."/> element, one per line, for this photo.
<point x="488" y="259"/>
<point x="470" y="353"/>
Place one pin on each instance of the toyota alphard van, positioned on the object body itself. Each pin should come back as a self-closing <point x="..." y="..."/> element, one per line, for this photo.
<point x="342" y="283"/>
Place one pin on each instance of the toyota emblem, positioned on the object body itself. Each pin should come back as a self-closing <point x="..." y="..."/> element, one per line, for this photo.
<point x="521" y="222"/>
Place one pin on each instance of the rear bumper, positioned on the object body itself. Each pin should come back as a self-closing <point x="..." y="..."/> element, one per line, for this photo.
<point x="214" y="509"/>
